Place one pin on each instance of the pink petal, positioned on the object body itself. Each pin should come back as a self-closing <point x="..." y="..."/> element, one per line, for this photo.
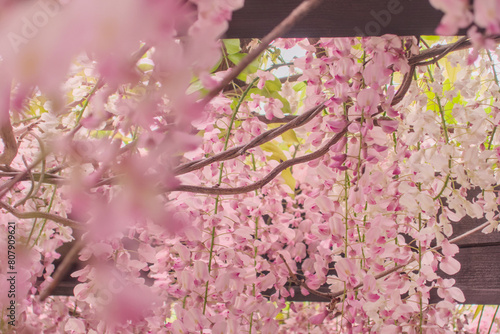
<point x="449" y="265"/>
<point x="318" y="318"/>
<point x="388" y="126"/>
<point x="457" y="294"/>
<point x="449" y="249"/>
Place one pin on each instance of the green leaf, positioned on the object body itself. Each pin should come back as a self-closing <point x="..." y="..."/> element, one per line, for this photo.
<point x="451" y="70"/>
<point x="144" y="67"/>
<point x="286" y="105"/>
<point x="232" y="45"/>
<point x="299" y="86"/>
<point x="195" y="87"/>
<point x="289" y="179"/>
<point x="235" y="58"/>
<point x="430" y="39"/>
<point x="277" y="153"/>
<point x="448" y="113"/>
<point x="252" y="68"/>
<point x="357" y="46"/>
<point x="479" y="308"/>
<point x="216" y="66"/>
<point x="275" y="54"/>
<point x="273" y="85"/>
<point x="290" y="137"/>
<point x="431" y="101"/>
<point x="447" y="86"/>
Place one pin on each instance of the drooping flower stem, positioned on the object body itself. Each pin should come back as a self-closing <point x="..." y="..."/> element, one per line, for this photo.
<point x="498" y="84"/>
<point x="447" y="139"/>
<point x="493" y="319"/>
<point x="255" y="250"/>
<point x="87" y="100"/>
<point x="221" y="170"/>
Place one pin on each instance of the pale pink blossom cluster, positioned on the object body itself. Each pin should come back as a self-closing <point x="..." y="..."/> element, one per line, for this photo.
<point x="479" y="18"/>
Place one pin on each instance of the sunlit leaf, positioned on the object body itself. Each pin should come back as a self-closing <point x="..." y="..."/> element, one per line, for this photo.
<point x="273" y="85"/>
<point x="277" y="153"/>
<point x="144" y="67"/>
<point x="299" y="86"/>
<point x="479" y="308"/>
<point x="232" y="45"/>
<point x="290" y="137"/>
<point x="289" y="179"/>
<point x="235" y="58"/>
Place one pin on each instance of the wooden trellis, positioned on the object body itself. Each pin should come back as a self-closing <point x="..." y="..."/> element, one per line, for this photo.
<point x="338" y="18"/>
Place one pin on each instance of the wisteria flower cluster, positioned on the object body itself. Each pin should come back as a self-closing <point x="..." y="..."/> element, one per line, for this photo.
<point x="187" y="188"/>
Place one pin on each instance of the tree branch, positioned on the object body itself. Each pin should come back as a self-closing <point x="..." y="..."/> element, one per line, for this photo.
<point x="259" y="140"/>
<point x="4" y="188"/>
<point x="291" y="78"/>
<point x="6" y="130"/>
<point x="292" y="122"/>
<point x="269" y="177"/>
<point x="62" y="269"/>
<point x="43" y="215"/>
<point x="442" y="50"/>
<point x="405" y="85"/>
<point x="47" y="178"/>
<point x="275" y="120"/>
<point x="302" y="283"/>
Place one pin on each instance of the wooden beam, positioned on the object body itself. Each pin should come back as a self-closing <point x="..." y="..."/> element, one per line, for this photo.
<point x="338" y="18"/>
<point x="478" y="278"/>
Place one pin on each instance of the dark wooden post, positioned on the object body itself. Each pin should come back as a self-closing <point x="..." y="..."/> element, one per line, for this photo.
<point x="337" y="18"/>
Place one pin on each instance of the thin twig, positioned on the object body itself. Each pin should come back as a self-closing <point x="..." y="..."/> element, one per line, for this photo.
<point x="465" y="235"/>
<point x="296" y="15"/>
<point x="259" y="140"/>
<point x="442" y="50"/>
<point x="43" y="215"/>
<point x="6" y="130"/>
<point x="47" y="178"/>
<point x="62" y="269"/>
<point x="400" y="266"/>
<point x="32" y="188"/>
<point x="4" y="188"/>
<point x="302" y="283"/>
<point x="291" y="78"/>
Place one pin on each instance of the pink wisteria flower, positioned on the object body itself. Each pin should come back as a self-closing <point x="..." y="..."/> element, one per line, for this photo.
<point x="347" y="271"/>
<point x="263" y="77"/>
<point x="368" y="100"/>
